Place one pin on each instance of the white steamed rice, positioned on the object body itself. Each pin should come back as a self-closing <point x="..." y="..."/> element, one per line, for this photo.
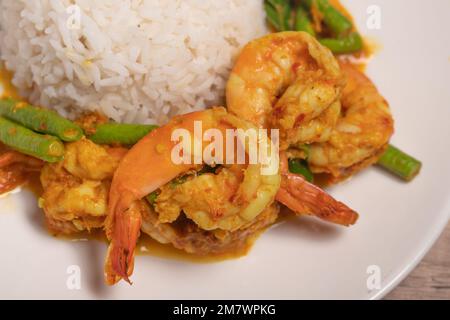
<point x="133" y="60"/>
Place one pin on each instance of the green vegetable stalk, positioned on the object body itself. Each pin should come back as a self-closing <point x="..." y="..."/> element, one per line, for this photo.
<point x="44" y="147"/>
<point x="279" y="14"/>
<point x="348" y="44"/>
<point x="300" y="167"/>
<point x="40" y="120"/>
<point x="303" y="22"/>
<point x="126" y="134"/>
<point x="337" y="23"/>
<point x="399" y="163"/>
<point x="151" y="198"/>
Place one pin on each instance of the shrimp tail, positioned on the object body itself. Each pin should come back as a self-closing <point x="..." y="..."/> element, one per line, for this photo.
<point x="305" y="198"/>
<point x="120" y="261"/>
<point x="125" y="225"/>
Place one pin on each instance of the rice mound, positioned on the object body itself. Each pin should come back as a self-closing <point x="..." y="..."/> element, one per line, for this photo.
<point x="133" y="60"/>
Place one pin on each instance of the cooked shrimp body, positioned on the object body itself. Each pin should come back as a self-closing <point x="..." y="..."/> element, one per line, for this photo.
<point x="81" y="203"/>
<point x="149" y="166"/>
<point x="227" y="200"/>
<point x="76" y="189"/>
<point x="361" y="133"/>
<point x="288" y="81"/>
<point x="86" y="160"/>
<point x="186" y="235"/>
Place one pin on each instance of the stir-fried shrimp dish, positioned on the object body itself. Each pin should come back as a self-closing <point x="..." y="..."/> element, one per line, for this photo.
<point x="116" y="152"/>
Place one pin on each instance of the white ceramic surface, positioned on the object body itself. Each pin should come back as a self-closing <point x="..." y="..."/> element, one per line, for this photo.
<point x="303" y="258"/>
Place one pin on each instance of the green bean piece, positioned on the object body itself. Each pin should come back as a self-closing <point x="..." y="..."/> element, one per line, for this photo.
<point x="337" y="23"/>
<point x="300" y="167"/>
<point x="40" y="120"/>
<point x="44" y="147"/>
<point x="278" y="14"/>
<point x="348" y="44"/>
<point x="151" y="198"/>
<point x="399" y="163"/>
<point x="126" y="134"/>
<point x="207" y="169"/>
<point x="303" y="22"/>
<point x="178" y="181"/>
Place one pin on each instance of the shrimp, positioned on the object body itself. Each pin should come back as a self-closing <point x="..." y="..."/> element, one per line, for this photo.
<point x="149" y="165"/>
<point x="287" y="81"/>
<point x="291" y="82"/>
<point x="362" y="132"/>
<point x="305" y="198"/>
<point x="75" y="190"/>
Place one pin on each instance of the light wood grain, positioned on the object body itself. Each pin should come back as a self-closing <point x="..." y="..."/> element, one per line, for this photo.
<point x="431" y="279"/>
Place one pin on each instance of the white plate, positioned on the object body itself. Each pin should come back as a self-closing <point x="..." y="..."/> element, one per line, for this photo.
<point x="304" y="258"/>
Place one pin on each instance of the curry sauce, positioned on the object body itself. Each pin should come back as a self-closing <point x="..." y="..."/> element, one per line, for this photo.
<point x="8" y="89"/>
<point x="147" y="246"/>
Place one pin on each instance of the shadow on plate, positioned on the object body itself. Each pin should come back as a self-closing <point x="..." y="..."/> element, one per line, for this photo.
<point x="91" y="252"/>
<point x="307" y="228"/>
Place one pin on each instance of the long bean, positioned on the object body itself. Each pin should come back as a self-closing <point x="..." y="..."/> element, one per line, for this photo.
<point x="400" y="163"/>
<point x="279" y="14"/>
<point x="127" y="134"/>
<point x="19" y="138"/>
<point x="151" y="198"/>
<point x="40" y="120"/>
<point x="351" y="43"/>
<point x="303" y="22"/>
<point x="337" y="23"/>
<point x="300" y="167"/>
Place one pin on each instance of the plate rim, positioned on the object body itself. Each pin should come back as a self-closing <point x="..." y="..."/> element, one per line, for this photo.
<point x="410" y="264"/>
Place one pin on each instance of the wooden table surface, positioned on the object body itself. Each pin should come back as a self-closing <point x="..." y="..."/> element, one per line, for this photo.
<point x="431" y="278"/>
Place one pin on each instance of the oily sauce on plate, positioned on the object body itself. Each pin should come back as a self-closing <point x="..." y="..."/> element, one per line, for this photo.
<point x="147" y="246"/>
